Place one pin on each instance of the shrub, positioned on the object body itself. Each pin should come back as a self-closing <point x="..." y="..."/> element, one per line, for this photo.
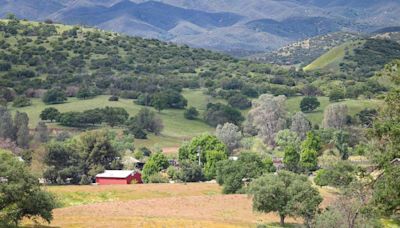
<point x="113" y="98"/>
<point x="189" y="171"/>
<point x="157" y="178"/>
<point x="21" y="101"/>
<point x="191" y="113"/>
<point x="54" y="96"/>
<point x="239" y="101"/>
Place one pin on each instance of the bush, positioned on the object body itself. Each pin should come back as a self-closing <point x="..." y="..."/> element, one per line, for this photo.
<point x="239" y="101"/>
<point x="157" y="178"/>
<point x="54" y="96"/>
<point x="189" y="171"/>
<point x="336" y="95"/>
<point x="21" y="101"/>
<point x="113" y="98"/>
<point x="220" y="114"/>
<point x="156" y="163"/>
<point x="191" y="113"/>
<point x="49" y="114"/>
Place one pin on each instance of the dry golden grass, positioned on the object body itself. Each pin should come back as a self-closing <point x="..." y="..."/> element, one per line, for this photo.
<point x="187" y="211"/>
<point x="159" y="205"/>
<point x="79" y="195"/>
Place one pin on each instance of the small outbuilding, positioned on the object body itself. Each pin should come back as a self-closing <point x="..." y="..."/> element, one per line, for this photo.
<point x="110" y="177"/>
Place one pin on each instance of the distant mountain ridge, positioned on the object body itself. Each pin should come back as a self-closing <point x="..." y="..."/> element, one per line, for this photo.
<point x="233" y="26"/>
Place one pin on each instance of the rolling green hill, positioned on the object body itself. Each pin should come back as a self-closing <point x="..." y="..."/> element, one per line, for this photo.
<point x="331" y="59"/>
<point x="359" y="58"/>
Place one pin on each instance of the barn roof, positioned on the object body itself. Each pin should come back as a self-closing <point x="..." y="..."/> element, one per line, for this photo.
<point x="115" y="173"/>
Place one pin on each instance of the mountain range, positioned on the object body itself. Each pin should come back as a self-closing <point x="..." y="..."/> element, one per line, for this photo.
<point x="233" y="26"/>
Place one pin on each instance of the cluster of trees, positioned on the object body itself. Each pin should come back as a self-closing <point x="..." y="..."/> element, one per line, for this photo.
<point x="78" y="160"/>
<point x="162" y="100"/>
<point x="206" y="150"/>
<point x="219" y="114"/>
<point x="233" y="175"/>
<point x="113" y="116"/>
<point x="15" y="129"/>
<point x="144" y="122"/>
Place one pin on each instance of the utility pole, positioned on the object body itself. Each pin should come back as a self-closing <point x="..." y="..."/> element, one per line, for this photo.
<point x="199" y="154"/>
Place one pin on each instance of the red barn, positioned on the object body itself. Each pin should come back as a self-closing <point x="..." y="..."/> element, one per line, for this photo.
<point x="118" y="177"/>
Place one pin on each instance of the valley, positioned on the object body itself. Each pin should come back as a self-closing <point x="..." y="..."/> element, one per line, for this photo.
<point x="99" y="128"/>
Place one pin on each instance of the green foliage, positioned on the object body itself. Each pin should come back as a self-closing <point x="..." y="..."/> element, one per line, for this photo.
<point x="189" y="171"/>
<point x="145" y="120"/>
<point x="232" y="174"/>
<point x="20" y="193"/>
<point x="191" y="113"/>
<point x="239" y="101"/>
<point x="385" y="155"/>
<point x="313" y="141"/>
<point x="79" y="159"/>
<point x="308" y="159"/>
<point x="21" y="101"/>
<point x="336" y="94"/>
<point x="212" y="157"/>
<point x="220" y="114"/>
<point x="54" y="96"/>
<point x="113" y="98"/>
<point x="386" y="192"/>
<point x="156" y="163"/>
<point x="85" y="92"/>
<point x="157" y="178"/>
<point x="309" y="104"/>
<point x="7" y="129"/>
<point x="291" y="159"/>
<point x="287" y="138"/>
<point x="287" y="194"/>
<point x="42" y="132"/>
<point x="367" y="116"/>
<point x="202" y="144"/>
<point x="50" y="114"/>
<point x="113" y="116"/>
<point x="340" y="174"/>
<point x="22" y="131"/>
<point x="341" y="139"/>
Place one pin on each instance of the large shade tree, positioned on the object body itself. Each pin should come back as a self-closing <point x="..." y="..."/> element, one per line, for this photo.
<point x="20" y="193"/>
<point x="286" y="193"/>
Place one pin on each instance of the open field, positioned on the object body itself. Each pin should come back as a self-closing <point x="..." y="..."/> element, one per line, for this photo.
<point x="355" y="106"/>
<point x="81" y="195"/>
<point x="158" y="205"/>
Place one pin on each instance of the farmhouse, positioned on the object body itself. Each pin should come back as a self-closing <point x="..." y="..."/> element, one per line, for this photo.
<point x="118" y="177"/>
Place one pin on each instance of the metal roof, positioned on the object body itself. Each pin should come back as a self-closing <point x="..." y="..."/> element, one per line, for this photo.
<point x="115" y="173"/>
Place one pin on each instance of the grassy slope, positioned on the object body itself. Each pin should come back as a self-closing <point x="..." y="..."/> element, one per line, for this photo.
<point x="355" y="106"/>
<point x="177" y="128"/>
<point x="332" y="58"/>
